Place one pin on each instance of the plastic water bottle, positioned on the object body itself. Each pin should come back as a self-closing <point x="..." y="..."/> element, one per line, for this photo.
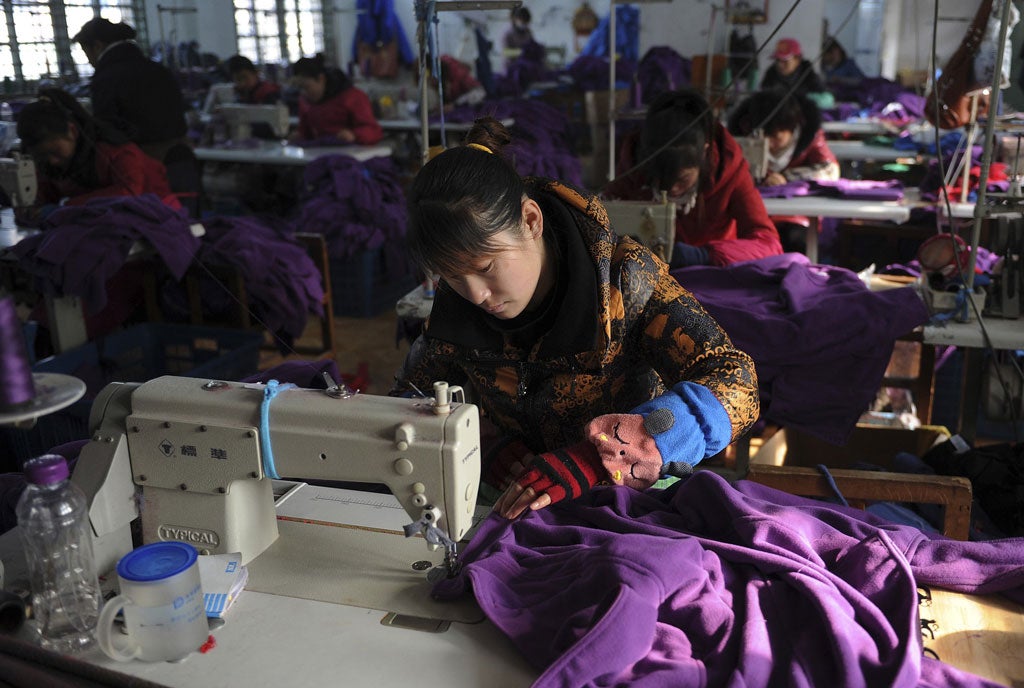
<point x="54" y="523"/>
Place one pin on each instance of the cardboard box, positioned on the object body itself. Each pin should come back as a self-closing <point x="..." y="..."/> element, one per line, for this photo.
<point x="867" y="444"/>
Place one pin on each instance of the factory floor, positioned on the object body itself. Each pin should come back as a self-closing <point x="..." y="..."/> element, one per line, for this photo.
<point x="369" y="341"/>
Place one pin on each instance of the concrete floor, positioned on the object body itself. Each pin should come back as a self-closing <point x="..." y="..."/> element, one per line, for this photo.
<point x="357" y="340"/>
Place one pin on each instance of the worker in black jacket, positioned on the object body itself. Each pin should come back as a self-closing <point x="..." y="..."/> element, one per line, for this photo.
<point x="134" y="93"/>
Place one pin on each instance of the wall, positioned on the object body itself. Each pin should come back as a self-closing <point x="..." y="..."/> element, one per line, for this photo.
<point x="903" y="43"/>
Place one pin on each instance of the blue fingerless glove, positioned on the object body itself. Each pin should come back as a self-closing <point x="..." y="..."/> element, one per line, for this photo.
<point x="685" y="255"/>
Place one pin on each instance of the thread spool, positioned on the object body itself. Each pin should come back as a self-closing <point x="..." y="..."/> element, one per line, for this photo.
<point x="17" y="388"/>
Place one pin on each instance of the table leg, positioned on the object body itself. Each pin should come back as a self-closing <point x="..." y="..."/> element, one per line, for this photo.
<point x="970" y="393"/>
<point x="812" y="239"/>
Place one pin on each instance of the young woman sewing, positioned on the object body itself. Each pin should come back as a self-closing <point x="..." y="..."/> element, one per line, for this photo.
<point x="79" y="158"/>
<point x="569" y="337"/>
<point x="331" y="107"/>
<point x="684" y="152"/>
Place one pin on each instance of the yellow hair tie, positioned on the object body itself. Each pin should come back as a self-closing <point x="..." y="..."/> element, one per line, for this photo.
<point x="481" y="147"/>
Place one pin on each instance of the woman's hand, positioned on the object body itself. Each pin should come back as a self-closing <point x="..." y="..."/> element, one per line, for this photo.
<point x="774" y="179"/>
<point x="346" y="136"/>
<point x="551" y="477"/>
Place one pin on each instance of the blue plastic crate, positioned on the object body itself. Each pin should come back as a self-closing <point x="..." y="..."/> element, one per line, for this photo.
<point x="135" y="354"/>
<point x="364" y="285"/>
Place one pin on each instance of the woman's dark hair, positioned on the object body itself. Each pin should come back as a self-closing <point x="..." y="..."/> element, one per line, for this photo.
<point x="522" y="14"/>
<point x="49" y="117"/>
<point x="677" y="128"/>
<point x="313" y="67"/>
<point x="832" y="44"/>
<point x="461" y="199"/>
<point x="104" y="31"/>
<point x="239" y="63"/>
<point x="771" y="111"/>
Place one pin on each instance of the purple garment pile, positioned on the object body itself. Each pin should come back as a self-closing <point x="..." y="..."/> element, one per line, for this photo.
<point x="530" y="67"/>
<point x="820" y="339"/>
<point x="787" y="190"/>
<point x="591" y="73"/>
<point x="540" y="137"/>
<point x="709" y="584"/>
<point x="841" y="112"/>
<point x="882" y="99"/>
<point x="859" y="189"/>
<point x="282" y="283"/>
<point x="357" y="206"/>
<point x="661" y="70"/>
<point x="80" y="247"/>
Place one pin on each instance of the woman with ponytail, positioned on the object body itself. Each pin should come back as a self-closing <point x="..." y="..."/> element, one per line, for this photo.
<point x="683" y="151"/>
<point x="331" y="107"/>
<point x="589" y="359"/>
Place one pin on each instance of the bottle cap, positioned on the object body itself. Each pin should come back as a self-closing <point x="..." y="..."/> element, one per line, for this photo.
<point x="48" y="469"/>
<point x="156" y="561"/>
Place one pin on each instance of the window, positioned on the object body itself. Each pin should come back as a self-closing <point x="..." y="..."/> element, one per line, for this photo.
<point x="278" y="31"/>
<point x="35" y="37"/>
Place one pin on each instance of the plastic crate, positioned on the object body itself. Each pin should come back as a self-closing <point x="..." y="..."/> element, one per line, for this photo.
<point x="136" y="354"/>
<point x="362" y="286"/>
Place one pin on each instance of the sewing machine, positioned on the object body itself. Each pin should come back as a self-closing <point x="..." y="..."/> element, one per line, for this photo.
<point x="204" y="452"/>
<point x="18" y="180"/>
<point x="653" y="224"/>
<point x="240" y="118"/>
<point x="755" y="150"/>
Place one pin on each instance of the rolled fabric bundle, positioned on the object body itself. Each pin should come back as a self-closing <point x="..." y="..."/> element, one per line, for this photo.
<point x="16" y="386"/>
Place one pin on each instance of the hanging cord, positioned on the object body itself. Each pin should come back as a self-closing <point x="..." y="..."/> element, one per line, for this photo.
<point x="831" y="481"/>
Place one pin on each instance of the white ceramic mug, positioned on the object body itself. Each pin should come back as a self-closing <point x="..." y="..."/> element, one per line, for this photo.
<point x="162" y="599"/>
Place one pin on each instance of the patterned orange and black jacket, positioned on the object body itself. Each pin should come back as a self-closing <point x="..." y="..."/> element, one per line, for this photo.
<point x="625" y="331"/>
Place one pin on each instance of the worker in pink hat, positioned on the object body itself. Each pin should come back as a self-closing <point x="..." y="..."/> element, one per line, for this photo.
<point x="790" y="71"/>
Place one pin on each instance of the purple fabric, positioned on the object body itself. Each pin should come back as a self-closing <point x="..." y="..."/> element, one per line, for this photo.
<point x="282" y="283"/>
<point x="305" y="374"/>
<point x="820" y="339"/>
<point x="357" y="206"/>
<point x="661" y="70"/>
<point x="591" y="73"/>
<point x="529" y="67"/>
<point x="861" y="189"/>
<point x="81" y="247"/>
<point x="707" y="584"/>
<point x="540" y="137"/>
<point x="787" y="190"/>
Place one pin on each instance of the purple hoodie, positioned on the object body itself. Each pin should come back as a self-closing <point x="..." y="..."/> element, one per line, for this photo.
<point x="709" y="584"/>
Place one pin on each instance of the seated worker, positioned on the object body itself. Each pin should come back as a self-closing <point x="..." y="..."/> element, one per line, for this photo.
<point x="681" y="149"/>
<point x="134" y="93"/>
<point x="797" y="148"/>
<point x="79" y="158"/>
<point x="518" y="35"/>
<point x="459" y="86"/>
<point x="790" y="71"/>
<point x="838" y="69"/>
<point x="330" y="106"/>
<point x="250" y="89"/>
<point x="529" y="314"/>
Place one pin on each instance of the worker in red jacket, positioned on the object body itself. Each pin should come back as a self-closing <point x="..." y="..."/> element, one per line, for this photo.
<point x="683" y="151"/>
<point x="330" y="106"/>
<point x="79" y="158"/>
<point x="250" y="88"/>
